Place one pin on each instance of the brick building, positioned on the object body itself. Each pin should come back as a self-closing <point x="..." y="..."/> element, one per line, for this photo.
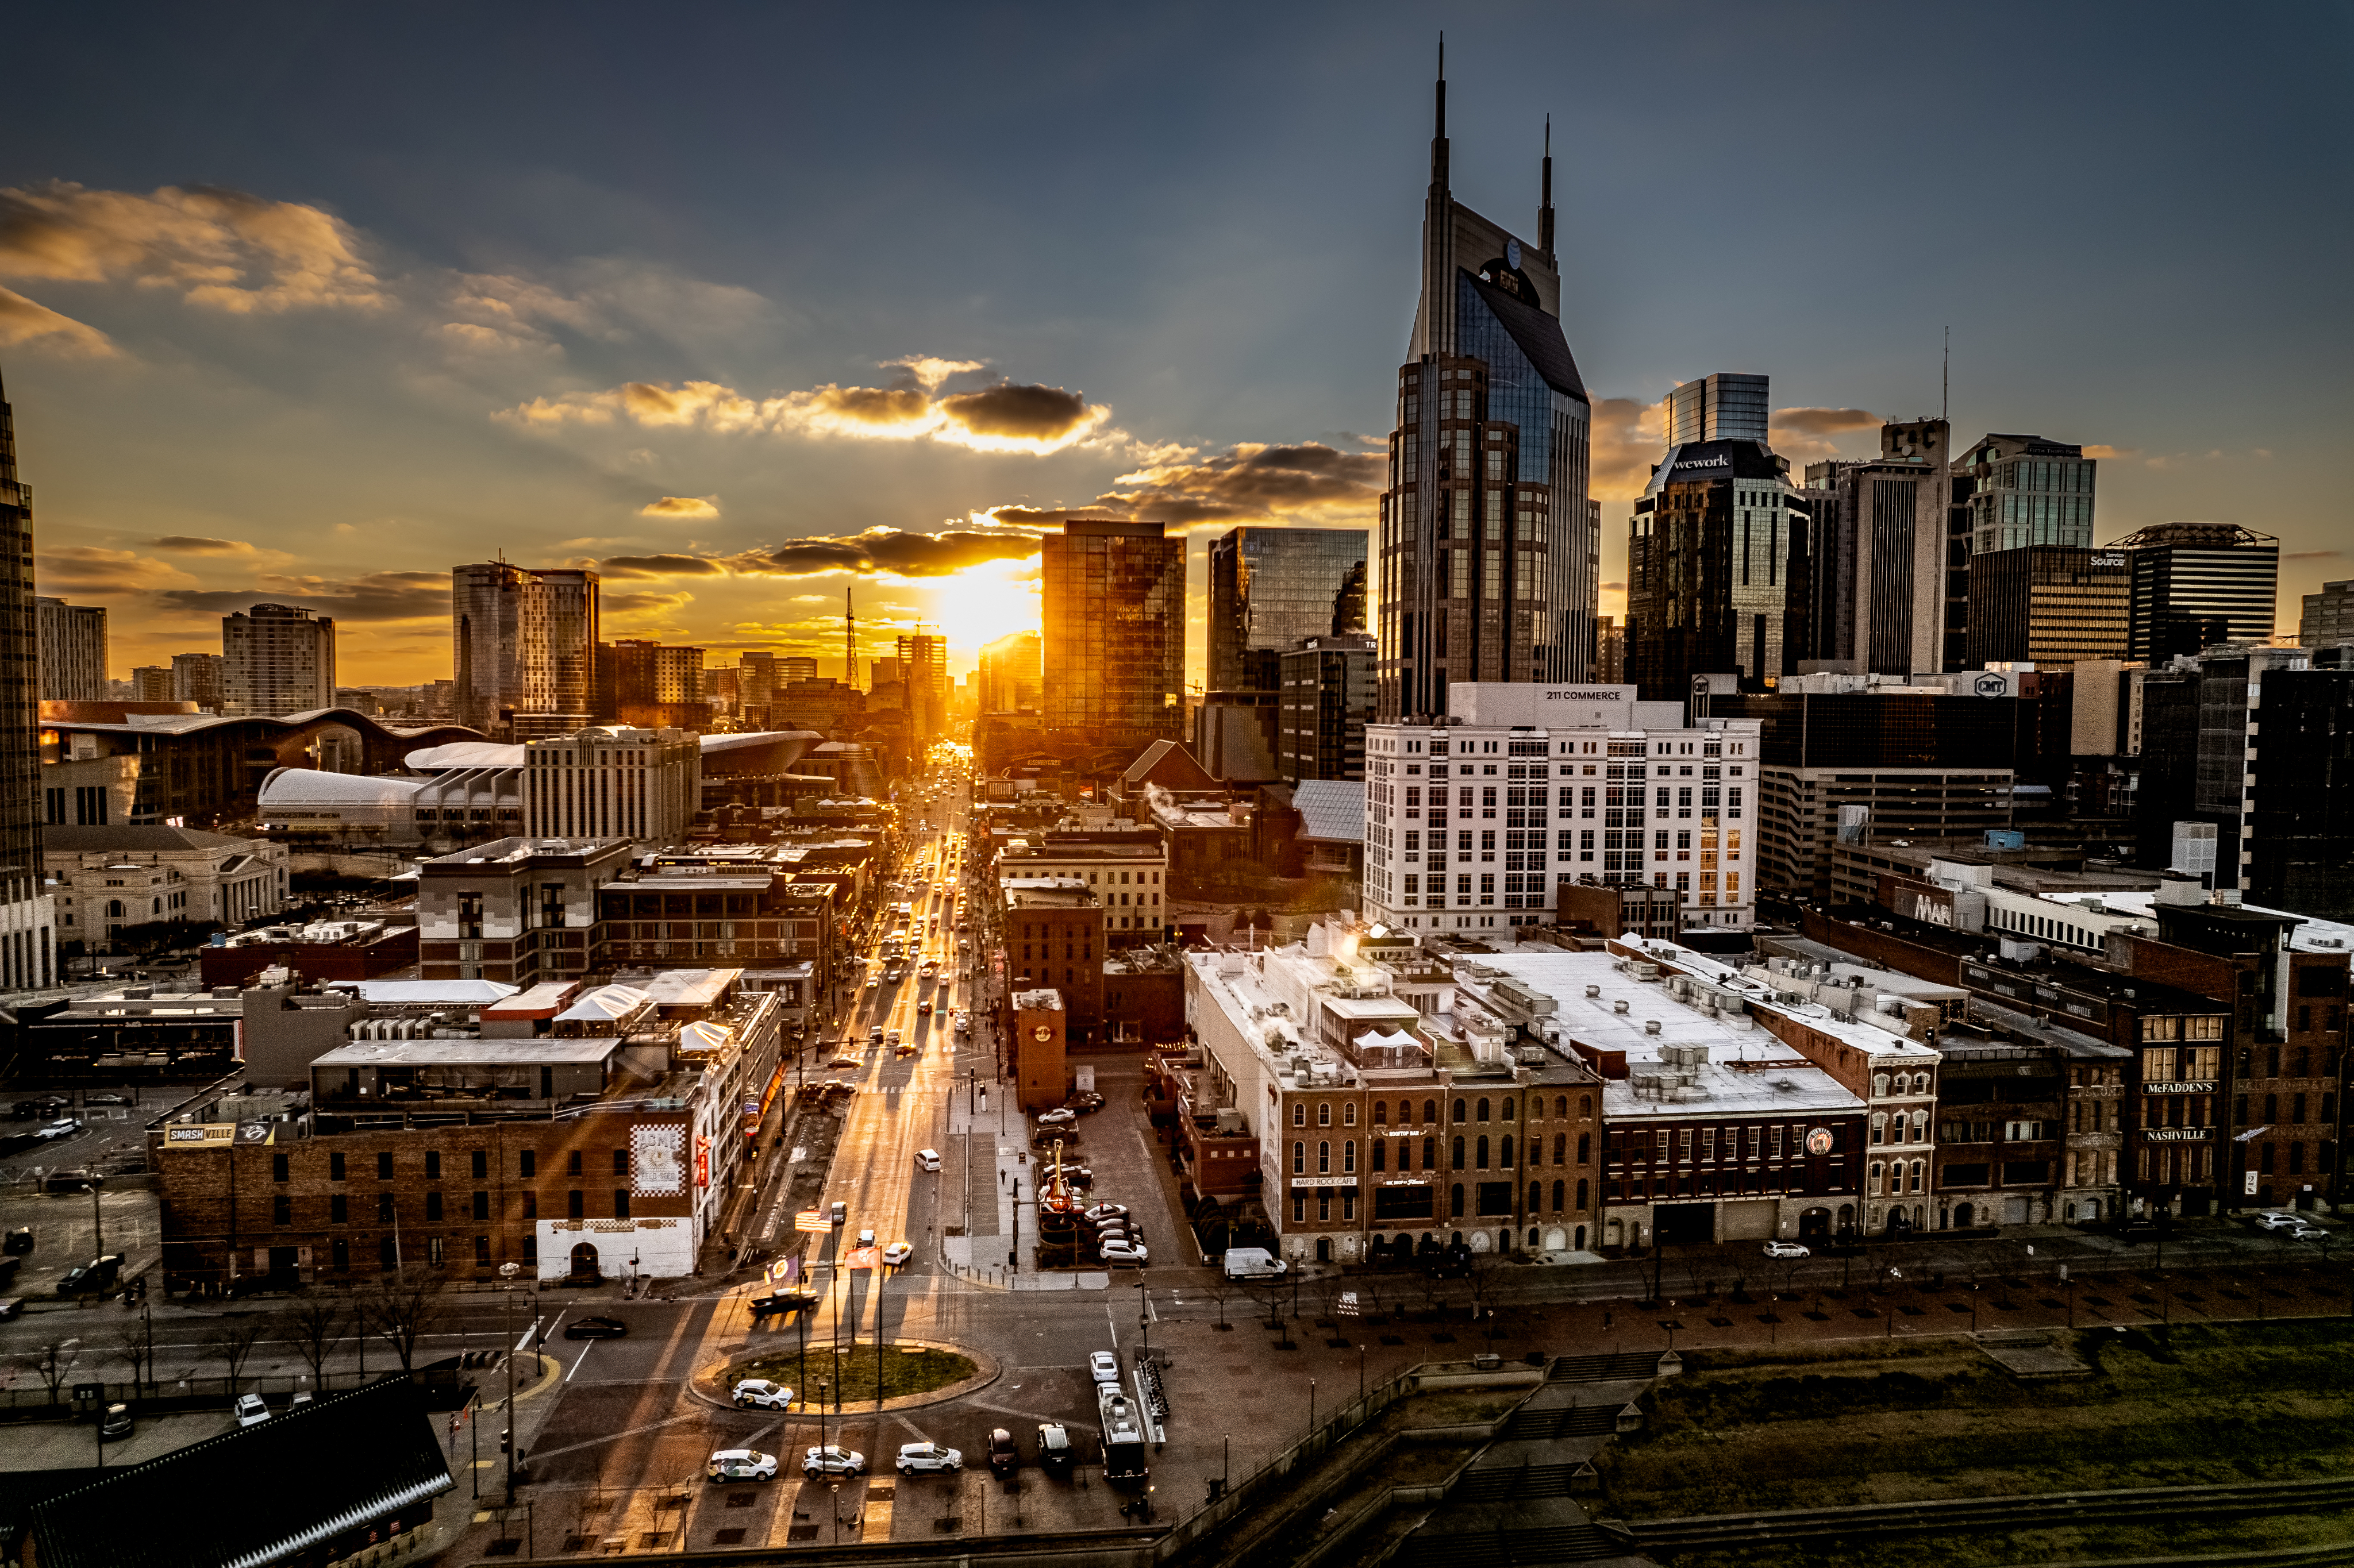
<point x="1052" y="930"/>
<point x="1038" y="1044"/>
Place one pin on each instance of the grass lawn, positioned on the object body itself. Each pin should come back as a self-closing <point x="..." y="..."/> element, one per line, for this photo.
<point x="1764" y="1431"/>
<point x="912" y="1369"/>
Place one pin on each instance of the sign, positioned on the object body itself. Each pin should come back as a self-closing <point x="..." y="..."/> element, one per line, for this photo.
<point x="703" y="1162"/>
<point x="256" y="1132"/>
<point x="1348" y="1304"/>
<point x="1720" y="460"/>
<point x="199" y="1135"/>
<point x="1602" y="695"/>
<point x="89" y="1390"/>
<point x="813" y="1220"/>
<point x="1323" y="1180"/>
<point x="2176" y="1134"/>
<point x="2178" y="1088"/>
<point x="1819" y="1141"/>
<point x="657" y="1163"/>
<point x="2249" y="1184"/>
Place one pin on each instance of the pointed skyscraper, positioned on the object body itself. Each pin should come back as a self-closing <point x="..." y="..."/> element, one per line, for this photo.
<point x="1489" y="547"/>
<point x="28" y="935"/>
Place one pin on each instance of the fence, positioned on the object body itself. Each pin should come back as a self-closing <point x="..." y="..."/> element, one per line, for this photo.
<point x="36" y="1403"/>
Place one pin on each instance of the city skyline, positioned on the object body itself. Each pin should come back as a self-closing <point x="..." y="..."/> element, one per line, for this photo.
<point x="259" y="366"/>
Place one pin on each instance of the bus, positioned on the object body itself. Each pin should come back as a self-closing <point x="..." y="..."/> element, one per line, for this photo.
<point x="1125" y="1449"/>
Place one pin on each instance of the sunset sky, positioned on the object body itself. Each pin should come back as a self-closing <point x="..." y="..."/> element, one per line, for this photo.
<point x="741" y="304"/>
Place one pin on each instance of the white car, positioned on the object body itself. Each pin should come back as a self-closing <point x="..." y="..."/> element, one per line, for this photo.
<point x="867" y="1238"/>
<point x="57" y="1130"/>
<point x="928" y="1160"/>
<point x="2308" y="1233"/>
<point x="1126" y="1252"/>
<point x="897" y="1255"/>
<point x="1105" y="1366"/>
<point x="759" y="1392"/>
<point x="2275" y="1220"/>
<point x="914" y="1457"/>
<point x="833" y="1460"/>
<point x="1103" y="1211"/>
<point x="250" y="1409"/>
<point x="1061" y="1116"/>
<point x="741" y="1465"/>
<point x="1785" y="1249"/>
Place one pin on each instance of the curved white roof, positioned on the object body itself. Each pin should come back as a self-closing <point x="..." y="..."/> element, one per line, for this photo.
<point x="605" y="1005"/>
<point x="310" y="786"/>
<point x="461" y="754"/>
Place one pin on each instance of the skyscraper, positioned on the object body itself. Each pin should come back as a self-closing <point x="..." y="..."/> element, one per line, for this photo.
<point x="197" y="678"/>
<point x="1725" y="407"/>
<point x="2189" y="572"/>
<point x="1715" y="571"/>
<point x="2025" y="490"/>
<point x="26" y="914"/>
<point x="645" y="684"/>
<point x="1877" y="547"/>
<point x="73" y="652"/>
<point x="1112" y="604"/>
<point x="2327" y="616"/>
<point x="524" y="649"/>
<point x="275" y="659"/>
<point x="1489" y="545"/>
<point x="924" y="674"/>
<point x="1011" y="671"/>
<point x="1269" y="587"/>
<point x="2049" y="604"/>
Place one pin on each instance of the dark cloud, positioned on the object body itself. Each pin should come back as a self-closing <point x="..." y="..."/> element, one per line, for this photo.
<point x="89" y="569"/>
<point x="1308" y="481"/>
<point x="888" y="550"/>
<point x="1018" y="412"/>
<point x="1825" y="421"/>
<point x="668" y="566"/>
<point x="197" y="545"/>
<point x="2313" y="555"/>
<point x="378" y="596"/>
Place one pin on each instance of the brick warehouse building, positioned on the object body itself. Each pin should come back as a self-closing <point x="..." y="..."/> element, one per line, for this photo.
<point x="604" y="1147"/>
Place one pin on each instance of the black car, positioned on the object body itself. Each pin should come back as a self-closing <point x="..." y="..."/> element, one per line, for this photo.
<point x="19" y="1240"/>
<point x="1004" y="1453"/>
<point x="44" y="1107"/>
<point x="92" y="1279"/>
<point x="782" y="1301"/>
<point x="1085" y="1102"/>
<point x="596" y="1329"/>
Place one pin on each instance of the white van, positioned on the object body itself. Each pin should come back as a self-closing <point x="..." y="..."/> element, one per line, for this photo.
<point x="1252" y="1263"/>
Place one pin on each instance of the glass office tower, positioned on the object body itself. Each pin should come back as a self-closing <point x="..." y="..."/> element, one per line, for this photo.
<point x="1112" y="604"/>
<point x="1269" y="587"/>
<point x="1489" y="547"/>
<point x="26" y="914"/>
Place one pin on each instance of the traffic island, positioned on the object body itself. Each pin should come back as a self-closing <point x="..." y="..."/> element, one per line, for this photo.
<point x="910" y="1373"/>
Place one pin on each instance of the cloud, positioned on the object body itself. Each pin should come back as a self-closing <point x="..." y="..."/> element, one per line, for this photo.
<point x="1303" y="482"/>
<point x="196" y="545"/>
<point x="878" y="552"/>
<point x="1009" y="417"/>
<point x="1626" y="442"/>
<point x="1613" y="588"/>
<point x="89" y="569"/>
<point x="681" y="507"/>
<point x="2102" y="449"/>
<point x="220" y="249"/>
<point x="374" y="597"/>
<point x="1820" y="423"/>
<point x="22" y="321"/>
<point x="2313" y="555"/>
<point x="661" y="566"/>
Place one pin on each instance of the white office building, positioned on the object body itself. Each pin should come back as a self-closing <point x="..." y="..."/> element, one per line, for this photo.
<point x="1473" y="823"/>
<point x="613" y="782"/>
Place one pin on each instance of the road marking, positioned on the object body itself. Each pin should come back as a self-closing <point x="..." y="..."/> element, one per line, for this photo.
<point x="539" y="1455"/>
<point x="581" y="1360"/>
<point x="525" y="1343"/>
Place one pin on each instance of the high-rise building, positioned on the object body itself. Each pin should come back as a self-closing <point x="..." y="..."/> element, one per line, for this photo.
<point x="645" y="684"/>
<point x="523" y="653"/>
<point x="2050" y="604"/>
<point x="794" y="667"/>
<point x="1271" y="586"/>
<point x="883" y="673"/>
<point x="1011" y="671"/>
<point x="1715" y="571"/>
<point x="1725" y="407"/>
<point x="1490" y="546"/>
<point x="197" y="678"/>
<point x="73" y="652"/>
<point x="1609" y="652"/>
<point x="759" y="681"/>
<point x="2025" y="490"/>
<point x="611" y="782"/>
<point x="153" y="684"/>
<point x="276" y="658"/>
<point x="1113" y="637"/>
<point x="28" y="917"/>
<point x="2191" y="571"/>
<point x="1326" y="699"/>
<point x="924" y="682"/>
<point x="1877" y="546"/>
<point x="2327" y="616"/>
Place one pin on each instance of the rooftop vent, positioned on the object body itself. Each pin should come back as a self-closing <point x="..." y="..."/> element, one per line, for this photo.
<point x="1650" y="1026"/>
<point x="1620" y="1006"/>
<point x="1593" y="990"/>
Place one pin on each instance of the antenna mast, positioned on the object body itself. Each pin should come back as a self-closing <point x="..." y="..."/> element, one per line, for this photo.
<point x="1946" y="380"/>
<point x="849" y="640"/>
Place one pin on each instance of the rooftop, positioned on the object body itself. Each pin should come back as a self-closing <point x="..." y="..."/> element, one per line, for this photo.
<point x="470" y="1053"/>
<point x="2310" y="935"/>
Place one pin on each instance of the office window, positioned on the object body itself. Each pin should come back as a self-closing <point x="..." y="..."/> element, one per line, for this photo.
<point x="335" y="1166"/>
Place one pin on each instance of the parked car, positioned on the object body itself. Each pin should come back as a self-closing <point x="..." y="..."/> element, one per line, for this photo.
<point x="1079" y="1176"/>
<point x="1055" y="1450"/>
<point x="760" y="1393"/>
<point x="2308" y="1233"/>
<point x="2278" y="1220"/>
<point x="92" y="1279"/>
<point x="1084" y="1102"/>
<point x="11" y="1308"/>
<point x="115" y="1423"/>
<point x="56" y="1131"/>
<point x="929" y="1458"/>
<point x="1103" y="1366"/>
<point x="19" y="1241"/>
<point x="1101" y="1212"/>
<point x="1785" y="1249"/>
<point x="596" y="1329"/>
<point x="928" y="1160"/>
<point x="782" y="1301"/>
<point x="742" y="1464"/>
<point x="1004" y="1453"/>
<point x="831" y="1461"/>
<point x="1058" y="1117"/>
<point x="1131" y="1254"/>
<point x="106" y="1097"/>
<point x="897" y="1255"/>
<point x="249" y="1411"/>
<point x="49" y="1107"/>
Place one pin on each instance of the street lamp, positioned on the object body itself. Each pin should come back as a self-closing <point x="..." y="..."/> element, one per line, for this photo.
<point x="507" y="1272"/>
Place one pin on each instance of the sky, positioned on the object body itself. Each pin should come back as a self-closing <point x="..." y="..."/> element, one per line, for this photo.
<point x="745" y="305"/>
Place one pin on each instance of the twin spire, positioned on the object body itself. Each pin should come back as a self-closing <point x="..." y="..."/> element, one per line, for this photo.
<point x="1438" y="159"/>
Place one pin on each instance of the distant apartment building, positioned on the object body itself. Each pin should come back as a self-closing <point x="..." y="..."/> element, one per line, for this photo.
<point x="73" y="650"/>
<point x="2328" y="616"/>
<point x="1012" y="674"/>
<point x="153" y="684"/>
<point x="648" y="684"/>
<point x="924" y="685"/>
<point x="1877" y="543"/>
<point x="197" y="678"/>
<point x="524" y="649"/>
<point x="276" y="658"/>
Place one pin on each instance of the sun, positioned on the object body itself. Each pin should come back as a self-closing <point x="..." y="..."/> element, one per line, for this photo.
<point x="982" y="604"/>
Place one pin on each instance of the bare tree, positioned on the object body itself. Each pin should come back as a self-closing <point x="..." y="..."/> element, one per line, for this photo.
<point x="55" y="1364"/>
<point x="317" y="1325"/>
<point x="234" y="1339"/>
<point x="134" y="1347"/>
<point x="401" y="1308"/>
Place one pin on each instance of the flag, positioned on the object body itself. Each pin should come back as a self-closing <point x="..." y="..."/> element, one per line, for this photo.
<point x="862" y="1257"/>
<point x="813" y="1220"/>
<point x="1348" y="1304"/>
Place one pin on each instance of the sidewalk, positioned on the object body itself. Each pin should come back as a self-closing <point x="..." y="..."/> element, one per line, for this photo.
<point x="995" y="1158"/>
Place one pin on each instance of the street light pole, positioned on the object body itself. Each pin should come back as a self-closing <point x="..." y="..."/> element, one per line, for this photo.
<point x="507" y="1272"/>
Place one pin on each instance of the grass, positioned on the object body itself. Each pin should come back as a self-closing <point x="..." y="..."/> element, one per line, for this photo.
<point x="1760" y="1431"/>
<point x="912" y="1369"/>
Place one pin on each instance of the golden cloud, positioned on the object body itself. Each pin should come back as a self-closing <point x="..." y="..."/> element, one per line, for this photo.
<point x="878" y="552"/>
<point x="22" y="320"/>
<point x="89" y="569"/>
<point x="1306" y="482"/>
<point x="2101" y="450"/>
<point x="373" y="597"/>
<point x="1821" y="422"/>
<point x="196" y="545"/>
<point x="1009" y="417"/>
<point x="1627" y="438"/>
<point x="222" y="250"/>
<point x="681" y="506"/>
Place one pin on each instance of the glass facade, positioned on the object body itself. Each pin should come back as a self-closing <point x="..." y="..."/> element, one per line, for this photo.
<point x="525" y="642"/>
<point x="2028" y="490"/>
<point x="1720" y="407"/>
<point x="1272" y="588"/>
<point x="1113" y="614"/>
<point x="26" y="937"/>
<point x="2050" y="604"/>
